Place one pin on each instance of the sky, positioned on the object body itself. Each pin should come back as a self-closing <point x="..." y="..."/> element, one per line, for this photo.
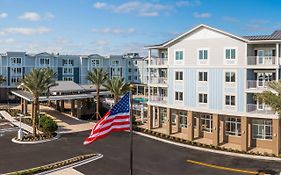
<point x="120" y="26"/>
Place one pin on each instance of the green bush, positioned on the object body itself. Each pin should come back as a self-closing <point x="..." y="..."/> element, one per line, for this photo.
<point x="48" y="125"/>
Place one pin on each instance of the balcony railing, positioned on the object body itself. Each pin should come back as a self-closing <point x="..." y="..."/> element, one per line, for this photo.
<point x="262" y="60"/>
<point x="255" y="84"/>
<point x="158" y="80"/>
<point x="158" y="99"/>
<point x="158" y="61"/>
<point x="259" y="109"/>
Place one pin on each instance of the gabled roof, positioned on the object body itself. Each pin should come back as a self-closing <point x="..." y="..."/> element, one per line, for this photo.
<point x="167" y="43"/>
<point x="276" y="35"/>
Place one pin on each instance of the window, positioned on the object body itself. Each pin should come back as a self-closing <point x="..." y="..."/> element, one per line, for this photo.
<point x="230" y="77"/>
<point x="203" y="76"/>
<point x="15" y="80"/>
<point x="129" y="70"/>
<point x="183" y="119"/>
<point x="207" y="122"/>
<point x="136" y="78"/>
<point x="203" y="54"/>
<point x="67" y="62"/>
<point x="129" y="78"/>
<point x="233" y="126"/>
<point x="116" y="62"/>
<point x="16" y="70"/>
<point x="230" y="53"/>
<point x="44" y="61"/>
<point x="136" y="70"/>
<point x="179" y="96"/>
<point x="262" y="129"/>
<point x="203" y="98"/>
<point x="95" y="63"/>
<point x="179" y="55"/>
<point x="179" y="75"/>
<point x="16" y="60"/>
<point x="67" y="78"/>
<point x="230" y="100"/>
<point x="67" y="71"/>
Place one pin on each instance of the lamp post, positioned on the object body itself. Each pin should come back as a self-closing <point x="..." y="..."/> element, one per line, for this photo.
<point x="20" y="132"/>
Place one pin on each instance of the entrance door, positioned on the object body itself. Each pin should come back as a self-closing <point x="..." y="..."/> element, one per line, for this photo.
<point x="260" y="57"/>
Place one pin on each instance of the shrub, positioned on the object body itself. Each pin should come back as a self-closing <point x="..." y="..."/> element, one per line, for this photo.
<point x="48" y="125"/>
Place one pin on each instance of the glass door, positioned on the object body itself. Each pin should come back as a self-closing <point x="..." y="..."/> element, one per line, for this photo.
<point x="260" y="57"/>
<point x="260" y="79"/>
<point x="260" y="105"/>
<point x="268" y="57"/>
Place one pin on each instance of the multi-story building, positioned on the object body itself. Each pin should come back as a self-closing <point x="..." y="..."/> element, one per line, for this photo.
<point x="202" y="87"/>
<point x="14" y="65"/>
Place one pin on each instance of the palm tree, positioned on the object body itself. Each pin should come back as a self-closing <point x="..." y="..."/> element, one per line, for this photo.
<point x="117" y="87"/>
<point x="2" y="79"/>
<point x="97" y="77"/>
<point x="270" y="98"/>
<point x="37" y="82"/>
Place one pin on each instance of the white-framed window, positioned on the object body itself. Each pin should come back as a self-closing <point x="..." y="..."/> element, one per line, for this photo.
<point x="202" y="76"/>
<point x="136" y="78"/>
<point x="203" y="54"/>
<point x="230" y="77"/>
<point x="262" y="129"/>
<point x="67" y="71"/>
<point x="115" y="62"/>
<point x="67" y="78"/>
<point x="233" y="126"/>
<point x="178" y="96"/>
<point x="178" y="75"/>
<point x="179" y="55"/>
<point x="183" y="119"/>
<point x="44" y="61"/>
<point x="68" y="62"/>
<point x="15" y="80"/>
<point x="230" y="54"/>
<point x="16" y="60"/>
<point x="202" y="98"/>
<point x="129" y="70"/>
<point x="95" y="63"/>
<point x="207" y="122"/>
<point x="16" y="70"/>
<point x="230" y="100"/>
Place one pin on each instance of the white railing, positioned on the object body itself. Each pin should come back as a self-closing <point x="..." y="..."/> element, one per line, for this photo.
<point x="158" y="61"/>
<point x="259" y="109"/>
<point x="158" y="80"/>
<point x="158" y="99"/>
<point x="262" y="60"/>
<point x="255" y="84"/>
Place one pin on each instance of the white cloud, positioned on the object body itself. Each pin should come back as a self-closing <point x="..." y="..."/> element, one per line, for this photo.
<point x="188" y="3"/>
<point x="113" y="30"/>
<point x="3" y="15"/>
<point x="149" y="14"/>
<point x="100" y="5"/>
<point x="25" y="30"/>
<point x="30" y="16"/>
<point x="7" y="41"/>
<point x="49" y="16"/>
<point x="230" y="19"/>
<point x="201" y="15"/>
<point x="100" y="43"/>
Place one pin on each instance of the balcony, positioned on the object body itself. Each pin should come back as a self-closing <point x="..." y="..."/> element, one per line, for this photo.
<point x="158" y="80"/>
<point x="262" y="60"/>
<point x="259" y="109"/>
<point x="158" y="61"/>
<point x="158" y="99"/>
<point x="257" y="85"/>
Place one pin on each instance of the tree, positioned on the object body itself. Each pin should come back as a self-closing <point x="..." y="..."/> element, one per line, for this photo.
<point x="117" y="87"/>
<point x="37" y="82"/>
<point x="97" y="77"/>
<point x="2" y="79"/>
<point x="271" y="98"/>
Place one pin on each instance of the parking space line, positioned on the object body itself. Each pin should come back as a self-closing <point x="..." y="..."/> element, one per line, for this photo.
<point x="221" y="167"/>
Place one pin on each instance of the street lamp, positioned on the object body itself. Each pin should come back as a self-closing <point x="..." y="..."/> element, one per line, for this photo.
<point x="20" y="132"/>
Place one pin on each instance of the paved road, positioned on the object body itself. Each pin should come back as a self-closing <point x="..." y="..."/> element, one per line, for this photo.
<point x="150" y="157"/>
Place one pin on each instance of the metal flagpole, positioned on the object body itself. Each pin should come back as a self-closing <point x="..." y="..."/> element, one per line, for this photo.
<point x="131" y="129"/>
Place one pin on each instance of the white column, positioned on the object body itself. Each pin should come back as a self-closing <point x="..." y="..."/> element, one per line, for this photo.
<point x="277" y="61"/>
<point x="142" y="114"/>
<point x="153" y="116"/>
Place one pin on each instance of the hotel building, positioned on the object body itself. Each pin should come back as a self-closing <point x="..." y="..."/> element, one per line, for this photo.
<point x="202" y="86"/>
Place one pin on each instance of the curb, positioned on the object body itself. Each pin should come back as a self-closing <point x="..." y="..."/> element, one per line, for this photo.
<point x="82" y="162"/>
<point x="36" y="142"/>
<point x="209" y="150"/>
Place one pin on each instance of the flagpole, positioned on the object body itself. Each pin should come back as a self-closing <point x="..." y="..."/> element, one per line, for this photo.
<point x="131" y="129"/>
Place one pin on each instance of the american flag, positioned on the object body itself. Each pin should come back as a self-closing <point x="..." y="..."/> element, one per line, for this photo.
<point x="116" y="119"/>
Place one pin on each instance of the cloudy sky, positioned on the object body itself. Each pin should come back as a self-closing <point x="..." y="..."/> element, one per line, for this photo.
<point x="116" y="27"/>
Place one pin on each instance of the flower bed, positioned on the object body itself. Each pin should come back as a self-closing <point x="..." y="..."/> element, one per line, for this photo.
<point x="53" y="165"/>
<point x="193" y="143"/>
<point x="39" y="137"/>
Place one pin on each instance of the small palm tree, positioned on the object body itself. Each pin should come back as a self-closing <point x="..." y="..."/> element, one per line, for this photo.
<point x="2" y="79"/>
<point x="37" y="82"/>
<point x="117" y="86"/>
<point x="97" y="77"/>
<point x="270" y="98"/>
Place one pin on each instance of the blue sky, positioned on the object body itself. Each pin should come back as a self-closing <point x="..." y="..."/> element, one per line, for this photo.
<point x="116" y="27"/>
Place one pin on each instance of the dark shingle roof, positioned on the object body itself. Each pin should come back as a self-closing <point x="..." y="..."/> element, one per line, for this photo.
<point x="276" y="35"/>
